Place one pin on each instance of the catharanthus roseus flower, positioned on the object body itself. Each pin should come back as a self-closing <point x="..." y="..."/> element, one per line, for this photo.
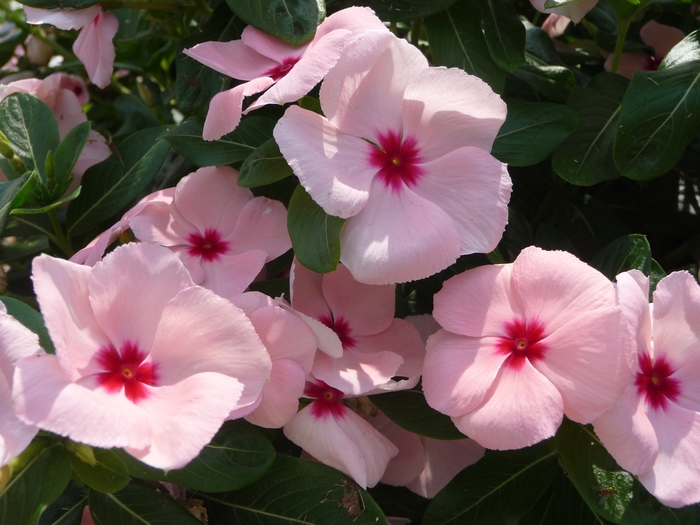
<point x="575" y="10"/>
<point x="145" y="359"/>
<point x="266" y="62"/>
<point x="403" y="154"/>
<point x="524" y="344"/>
<point x="654" y="429"/>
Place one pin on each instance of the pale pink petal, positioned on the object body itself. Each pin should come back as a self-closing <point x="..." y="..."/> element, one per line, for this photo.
<point x="356" y="19"/>
<point x="522" y="408"/>
<point x="157" y="224"/>
<point x="184" y="417"/>
<point x="306" y="291"/>
<point x="62" y="18"/>
<point x="96" y="150"/>
<point x="400" y="338"/>
<point x="424" y="323"/>
<point x="230" y="275"/>
<point x="225" y="108"/>
<point x="473" y="188"/>
<point x="16" y="342"/>
<point x="269" y="46"/>
<point x="68" y="112"/>
<point x="45" y="397"/>
<point x="574" y="10"/>
<point x="95" y="49"/>
<point x="398" y="237"/>
<point x="233" y="59"/>
<point x="333" y="167"/>
<point x="445" y="109"/>
<point x="633" y="295"/>
<point x="261" y="225"/>
<point x="280" y="396"/>
<point x="459" y="371"/>
<point x="410" y="461"/>
<point x="75" y="85"/>
<point x="630" y="62"/>
<point x="327" y="340"/>
<point x="555" y="25"/>
<point x="251" y="301"/>
<point x="661" y="37"/>
<point x="627" y="433"/>
<point x="543" y="283"/>
<point x="356" y="372"/>
<point x="15" y="435"/>
<point x="347" y="443"/>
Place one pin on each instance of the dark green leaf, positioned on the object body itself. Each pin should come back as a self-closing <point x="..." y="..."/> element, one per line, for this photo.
<point x="295" y="491"/>
<point x="499" y="488"/>
<point x="108" y="474"/>
<point x="531" y="132"/>
<point x="238" y="455"/>
<point x="586" y="157"/>
<point x="504" y="32"/>
<point x="410" y="410"/>
<point x="625" y="9"/>
<point x="396" y="10"/>
<point x="293" y="21"/>
<point x="31" y="128"/>
<point x="687" y="50"/>
<point x="67" y="509"/>
<point x="660" y="115"/>
<point x="551" y="82"/>
<point x="655" y="275"/>
<point x="315" y="234"/>
<point x="137" y="505"/>
<point x="548" y="237"/>
<point x="264" y="166"/>
<point x="187" y="140"/>
<point x="399" y="501"/>
<point x="8" y="196"/>
<point x="30" y="318"/>
<point x="60" y="4"/>
<point x="456" y="40"/>
<point x="8" y="169"/>
<point x="626" y="253"/>
<point x="43" y="209"/>
<point x="114" y="183"/>
<point x="67" y="153"/>
<point x="539" y="45"/>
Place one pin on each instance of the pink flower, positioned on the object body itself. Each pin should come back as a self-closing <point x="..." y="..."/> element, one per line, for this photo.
<point x="654" y="429"/>
<point x="523" y="344"/>
<point x="575" y="10"/>
<point x="263" y="61"/>
<point x="375" y="345"/>
<point x="145" y="360"/>
<point x="555" y="25"/>
<point x="338" y="437"/>
<point x="403" y="153"/>
<point x="16" y="342"/>
<point x="223" y="234"/>
<point x="94" y="45"/>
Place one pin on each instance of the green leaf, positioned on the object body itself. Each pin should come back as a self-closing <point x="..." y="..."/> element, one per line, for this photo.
<point x="113" y="184"/>
<point x="33" y="488"/>
<point x="687" y="50"/>
<point x="456" y="40"/>
<point x="499" y="488"/>
<point x="626" y="253"/>
<point x="655" y="275"/>
<point x="315" y="234"/>
<point x="238" y="455"/>
<point x="295" y="491"/>
<point x="659" y="117"/>
<point x="62" y="4"/>
<point x="504" y="32"/>
<point x="67" y="509"/>
<point x="43" y="209"/>
<point x="264" y="166"/>
<point x="531" y="132"/>
<point x="398" y="10"/>
<point x="30" y="318"/>
<point x="67" y="154"/>
<point x="399" y="501"/>
<point x="31" y="128"/>
<point x="137" y="505"/>
<point x="250" y="134"/>
<point x="8" y="196"/>
<point x="293" y="21"/>
<point x="108" y="474"/>
<point x="586" y="157"/>
<point x="551" y="82"/>
<point x="410" y="410"/>
<point x="625" y="9"/>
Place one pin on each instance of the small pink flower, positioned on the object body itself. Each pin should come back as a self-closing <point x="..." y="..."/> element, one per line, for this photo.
<point x="264" y="61"/>
<point x="654" y="429"/>
<point x="575" y="10"/>
<point x="555" y="25"/>
<point x="523" y="344"/>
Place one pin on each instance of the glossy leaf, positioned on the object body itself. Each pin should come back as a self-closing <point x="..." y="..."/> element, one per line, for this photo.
<point x="626" y="253"/>
<point x="108" y="474"/>
<point x="551" y="82"/>
<point x="30" y="318"/>
<point x="315" y="234"/>
<point x="531" y="132"/>
<point x="67" y="154"/>
<point x="264" y="166"/>
<point x="296" y="491"/>
<point x="62" y="4"/>
<point x="111" y="185"/>
<point x="293" y="21"/>
<point x="655" y="275"/>
<point x="396" y="10"/>
<point x="586" y="157"/>
<point x="504" y="32"/>
<point x="9" y="192"/>
<point x="687" y="50"/>
<point x="67" y="509"/>
<point x="187" y="140"/>
<point x="476" y="496"/>
<point x="238" y="455"/>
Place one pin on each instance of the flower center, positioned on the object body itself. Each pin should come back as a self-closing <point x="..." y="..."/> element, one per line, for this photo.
<point x="341" y="328"/>
<point x="523" y="341"/>
<point x="327" y="400"/>
<point x="208" y="246"/>
<point x="281" y="70"/>
<point x="653" y="381"/>
<point x="126" y="370"/>
<point x="397" y="159"/>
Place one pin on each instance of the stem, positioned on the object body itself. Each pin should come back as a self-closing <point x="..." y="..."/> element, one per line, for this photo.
<point x="622" y="27"/>
<point x="415" y="31"/>
<point x="392" y="27"/>
<point x="59" y="237"/>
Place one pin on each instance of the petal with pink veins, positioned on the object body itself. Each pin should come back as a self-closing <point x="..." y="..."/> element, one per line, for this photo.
<point x="95" y="49"/>
<point x="233" y="59"/>
<point x="280" y="396"/>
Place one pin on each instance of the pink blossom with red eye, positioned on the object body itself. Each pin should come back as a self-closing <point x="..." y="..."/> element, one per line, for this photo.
<point x="397" y="159"/>
<point x="654" y="382"/>
<point x="209" y="246"/>
<point x="523" y="341"/>
<point x="341" y="328"/>
<point x="327" y="400"/>
<point x="281" y="70"/>
<point x="126" y="369"/>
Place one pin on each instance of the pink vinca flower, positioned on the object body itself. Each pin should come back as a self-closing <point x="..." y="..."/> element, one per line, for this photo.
<point x="523" y="344"/>
<point x="555" y="25"/>
<point x="375" y="345"/>
<point x="94" y="45"/>
<point x="223" y="234"/>
<point x="145" y="359"/>
<point x="16" y="342"/>
<point x="403" y="154"/>
<point x="338" y="437"/>
<point x="266" y="62"/>
<point x="575" y="10"/>
<point x="654" y="429"/>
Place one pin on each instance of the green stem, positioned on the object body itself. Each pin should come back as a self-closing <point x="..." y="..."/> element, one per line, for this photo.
<point x="622" y="27"/>
<point x="392" y="27"/>
<point x="59" y="237"/>
<point x="415" y="31"/>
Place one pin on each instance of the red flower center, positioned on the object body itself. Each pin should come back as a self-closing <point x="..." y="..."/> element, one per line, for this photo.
<point x="327" y="400"/>
<point x="523" y="340"/>
<point x="208" y="246"/>
<point x="397" y="159"/>
<point x="654" y="382"/>
<point x="126" y="369"/>
<point x="281" y="70"/>
<point x="341" y="328"/>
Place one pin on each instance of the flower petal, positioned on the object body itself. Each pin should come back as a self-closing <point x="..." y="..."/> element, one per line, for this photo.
<point x="356" y="372"/>
<point x="233" y="59"/>
<point x="62" y="18"/>
<point x="225" y="108"/>
<point x="400" y="338"/>
<point x="661" y="37"/>
<point x="280" y="396"/>
<point x="268" y="46"/>
<point x="261" y="225"/>
<point x="95" y="49"/>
